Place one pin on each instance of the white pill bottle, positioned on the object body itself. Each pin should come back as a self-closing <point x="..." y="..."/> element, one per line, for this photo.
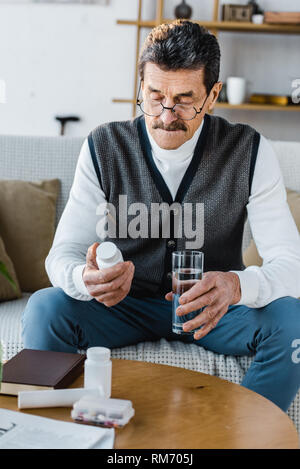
<point x="98" y="366"/>
<point x="107" y="255"/>
<point x="97" y="369"/>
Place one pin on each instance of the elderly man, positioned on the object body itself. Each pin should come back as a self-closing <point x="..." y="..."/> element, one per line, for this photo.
<point x="175" y="152"/>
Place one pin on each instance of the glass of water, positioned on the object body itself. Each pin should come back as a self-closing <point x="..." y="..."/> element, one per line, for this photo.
<point x="187" y="269"/>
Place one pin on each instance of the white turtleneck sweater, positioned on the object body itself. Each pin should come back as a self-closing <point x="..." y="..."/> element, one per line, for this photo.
<point x="271" y="222"/>
<point x="172" y="164"/>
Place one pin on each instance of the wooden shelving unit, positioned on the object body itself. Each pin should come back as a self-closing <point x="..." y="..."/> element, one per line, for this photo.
<point x="226" y="26"/>
<point x="258" y="107"/>
<point x="214" y="27"/>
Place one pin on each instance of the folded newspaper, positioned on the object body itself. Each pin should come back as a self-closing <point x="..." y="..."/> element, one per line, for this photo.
<point x="23" y="431"/>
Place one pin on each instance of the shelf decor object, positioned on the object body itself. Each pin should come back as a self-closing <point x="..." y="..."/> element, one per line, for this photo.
<point x="63" y="120"/>
<point x="236" y="90"/>
<point x="256" y="10"/>
<point x="232" y="12"/>
<point x="183" y="11"/>
<point x="214" y="26"/>
<point x="282" y="17"/>
<point x="261" y="98"/>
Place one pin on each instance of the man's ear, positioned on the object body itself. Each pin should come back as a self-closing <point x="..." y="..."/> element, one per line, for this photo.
<point x="215" y="94"/>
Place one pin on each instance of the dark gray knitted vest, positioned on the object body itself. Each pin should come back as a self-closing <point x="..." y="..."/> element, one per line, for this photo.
<point x="218" y="178"/>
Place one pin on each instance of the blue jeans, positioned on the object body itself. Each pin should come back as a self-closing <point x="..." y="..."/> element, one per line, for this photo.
<point x="53" y="320"/>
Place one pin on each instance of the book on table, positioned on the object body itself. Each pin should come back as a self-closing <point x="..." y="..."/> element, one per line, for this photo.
<point x="31" y="370"/>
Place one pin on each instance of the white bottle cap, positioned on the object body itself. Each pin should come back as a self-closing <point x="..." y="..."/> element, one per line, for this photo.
<point x="107" y="254"/>
<point x="98" y="353"/>
<point x="106" y="250"/>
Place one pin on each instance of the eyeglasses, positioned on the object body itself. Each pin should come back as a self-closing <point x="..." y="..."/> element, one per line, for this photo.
<point x="154" y="108"/>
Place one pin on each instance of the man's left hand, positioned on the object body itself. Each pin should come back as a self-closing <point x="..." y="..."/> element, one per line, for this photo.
<point x="215" y="291"/>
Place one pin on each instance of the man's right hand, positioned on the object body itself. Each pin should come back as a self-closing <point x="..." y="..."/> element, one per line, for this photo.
<point x="110" y="285"/>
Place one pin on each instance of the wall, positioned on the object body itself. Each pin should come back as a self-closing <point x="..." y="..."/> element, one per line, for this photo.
<point x="73" y="59"/>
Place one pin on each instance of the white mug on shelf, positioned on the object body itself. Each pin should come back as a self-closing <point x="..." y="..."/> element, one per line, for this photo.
<point x="236" y="90"/>
<point x="258" y="19"/>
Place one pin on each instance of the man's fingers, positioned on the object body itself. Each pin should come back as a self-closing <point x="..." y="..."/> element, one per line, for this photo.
<point x="91" y="257"/>
<point x="204" y="300"/>
<point x="114" y="297"/>
<point x="110" y="297"/>
<point x="209" y="326"/>
<point x="123" y="279"/>
<point x="127" y="284"/>
<point x="208" y="315"/>
<point x="106" y="275"/>
<point x="201" y="286"/>
<point x="108" y="285"/>
<point x="169" y="296"/>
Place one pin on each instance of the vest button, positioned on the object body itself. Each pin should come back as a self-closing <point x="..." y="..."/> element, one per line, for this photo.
<point x="171" y="243"/>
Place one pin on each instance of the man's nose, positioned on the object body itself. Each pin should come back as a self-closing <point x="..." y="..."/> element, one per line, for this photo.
<point x="168" y="116"/>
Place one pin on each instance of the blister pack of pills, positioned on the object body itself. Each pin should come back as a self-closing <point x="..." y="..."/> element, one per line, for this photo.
<point x="101" y="411"/>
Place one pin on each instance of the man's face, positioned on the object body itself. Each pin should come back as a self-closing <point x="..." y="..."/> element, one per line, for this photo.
<point x="169" y="88"/>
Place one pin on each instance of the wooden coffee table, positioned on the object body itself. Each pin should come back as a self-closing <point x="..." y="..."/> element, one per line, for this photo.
<point x="178" y="408"/>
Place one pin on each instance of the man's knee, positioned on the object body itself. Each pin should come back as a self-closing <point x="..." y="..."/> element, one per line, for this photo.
<point x="283" y="316"/>
<point x="43" y="305"/>
<point x="44" y="310"/>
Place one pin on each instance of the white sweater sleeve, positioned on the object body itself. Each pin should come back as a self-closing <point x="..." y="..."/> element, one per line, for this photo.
<point x="76" y="230"/>
<point x="275" y="234"/>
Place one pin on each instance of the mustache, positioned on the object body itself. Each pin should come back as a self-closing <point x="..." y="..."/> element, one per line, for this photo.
<point x="177" y="125"/>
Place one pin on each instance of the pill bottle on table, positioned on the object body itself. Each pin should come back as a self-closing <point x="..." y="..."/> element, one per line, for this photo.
<point x="98" y="369"/>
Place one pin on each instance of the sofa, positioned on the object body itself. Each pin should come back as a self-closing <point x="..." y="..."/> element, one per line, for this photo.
<point x="35" y="158"/>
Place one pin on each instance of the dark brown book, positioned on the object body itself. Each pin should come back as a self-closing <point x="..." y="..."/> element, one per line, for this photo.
<point x="31" y="370"/>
